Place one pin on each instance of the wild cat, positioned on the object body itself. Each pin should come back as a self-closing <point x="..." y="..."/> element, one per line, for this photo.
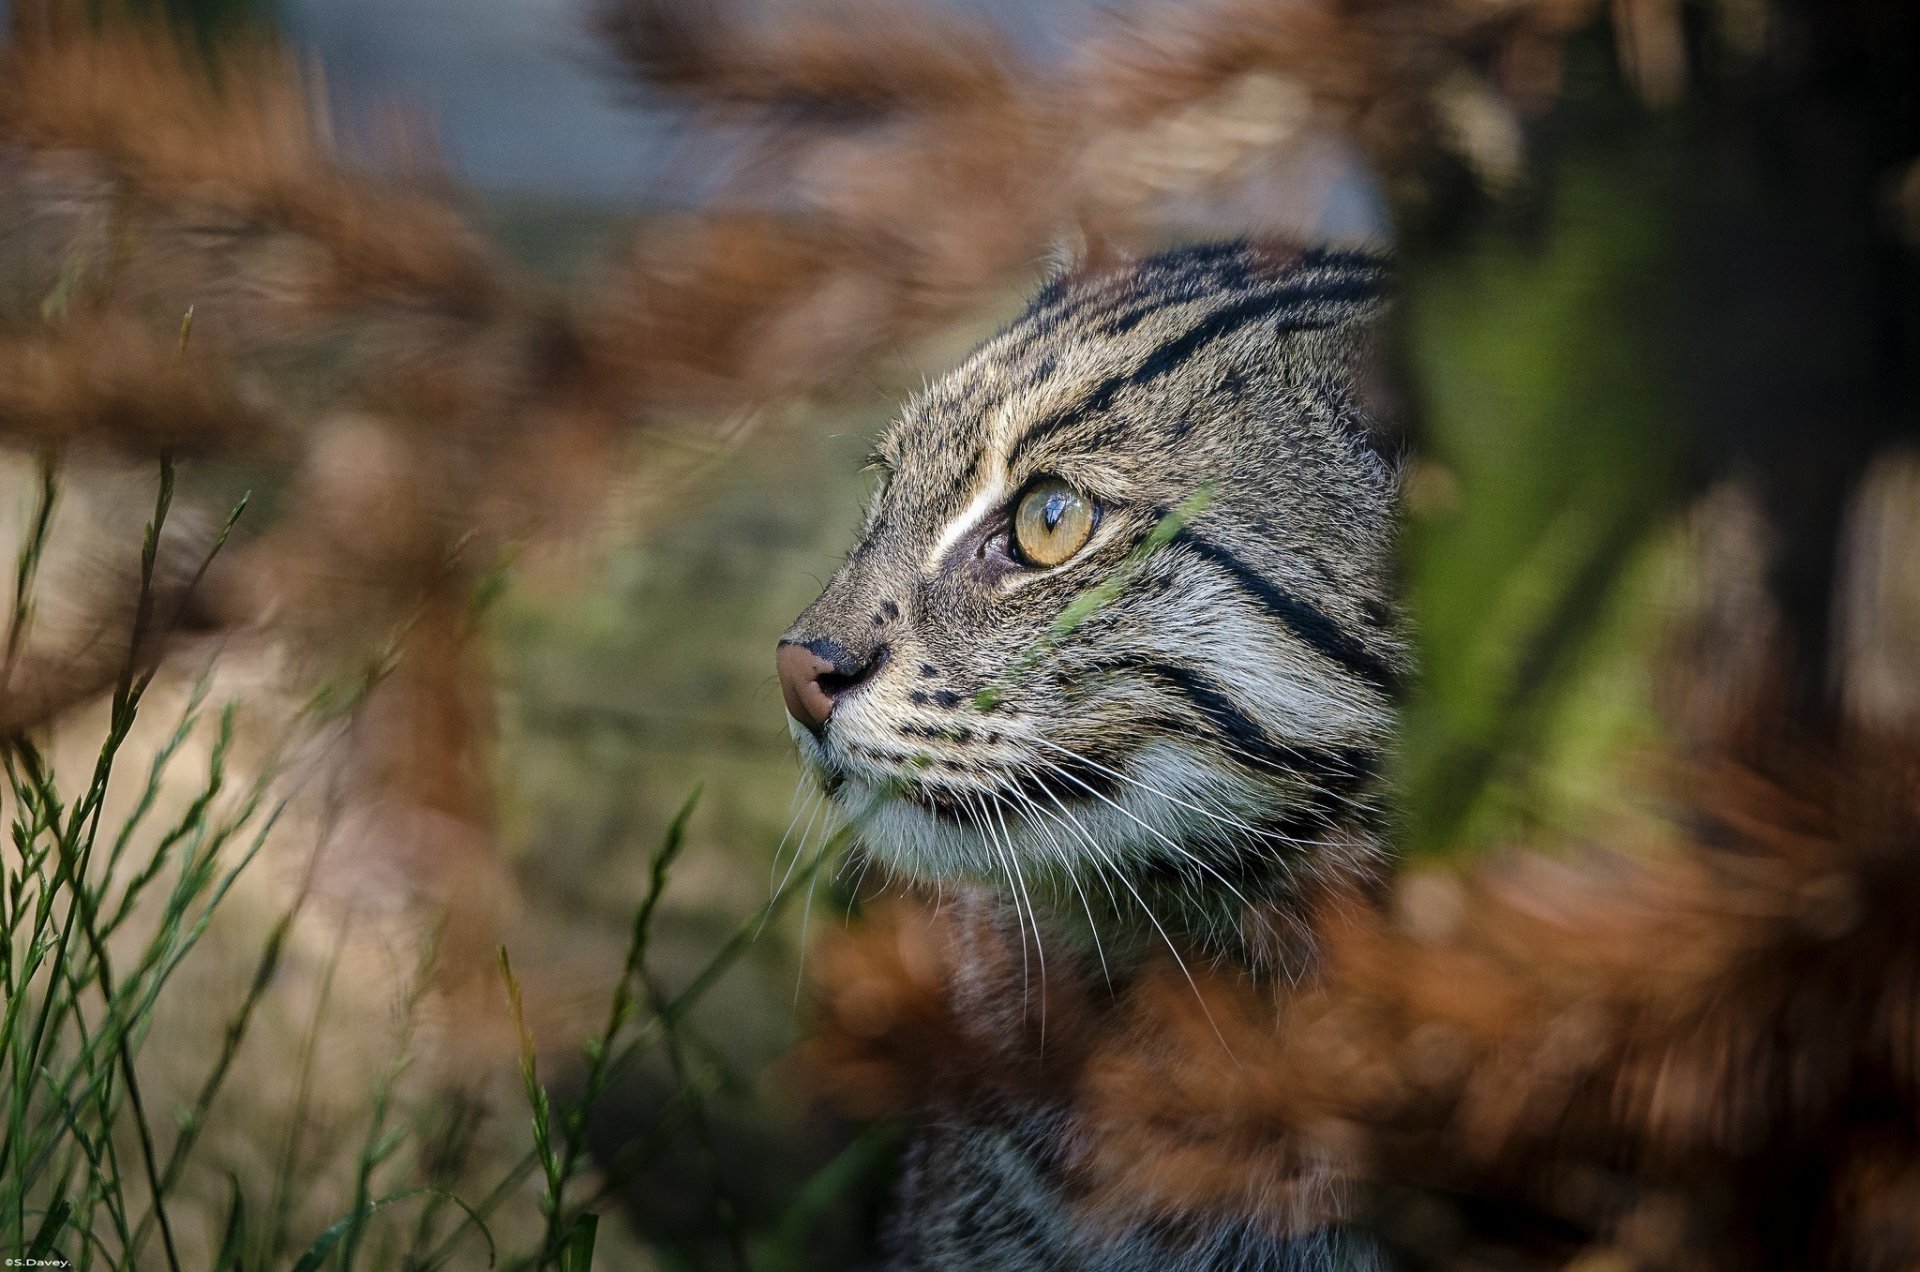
<point x="1116" y="655"/>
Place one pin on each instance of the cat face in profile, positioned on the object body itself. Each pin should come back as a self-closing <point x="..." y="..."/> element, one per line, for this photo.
<point x="1121" y="603"/>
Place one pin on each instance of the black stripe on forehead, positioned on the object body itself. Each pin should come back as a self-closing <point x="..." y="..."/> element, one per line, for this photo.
<point x="1071" y="294"/>
<point x="1113" y="305"/>
<point x="1114" y="302"/>
<point x="1221" y="266"/>
<point x="1171" y="355"/>
<point x="1187" y="288"/>
<point x="1309" y="624"/>
<point x="1246" y="284"/>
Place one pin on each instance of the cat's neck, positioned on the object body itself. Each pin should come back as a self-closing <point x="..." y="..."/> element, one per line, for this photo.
<point x="1263" y="919"/>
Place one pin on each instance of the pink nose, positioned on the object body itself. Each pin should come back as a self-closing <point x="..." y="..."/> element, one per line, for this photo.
<point x="814" y="675"/>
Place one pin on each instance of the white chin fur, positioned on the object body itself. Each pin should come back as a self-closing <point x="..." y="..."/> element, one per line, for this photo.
<point x="1171" y="806"/>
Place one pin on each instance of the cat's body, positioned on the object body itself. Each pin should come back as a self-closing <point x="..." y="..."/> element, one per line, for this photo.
<point x="1117" y="652"/>
<point x="994" y="1194"/>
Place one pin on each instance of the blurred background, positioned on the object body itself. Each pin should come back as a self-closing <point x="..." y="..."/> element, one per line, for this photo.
<point x="418" y="420"/>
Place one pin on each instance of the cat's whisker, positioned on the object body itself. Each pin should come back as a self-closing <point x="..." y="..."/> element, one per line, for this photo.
<point x="1181" y="851"/>
<point x="801" y="788"/>
<point x="806" y="919"/>
<point x="1266" y="765"/>
<point x="1147" y="910"/>
<point x="1101" y="858"/>
<point x="865" y="861"/>
<point x="1148" y="787"/>
<point x="1020" y="881"/>
<point x="1066" y="867"/>
<point x="819" y="803"/>
<point x="1102" y="865"/>
<point x="1265" y="834"/>
<point x="1006" y="872"/>
<point x="1016" y="881"/>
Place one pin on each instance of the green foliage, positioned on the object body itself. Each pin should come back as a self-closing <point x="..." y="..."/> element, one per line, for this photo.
<point x="88" y="1173"/>
<point x="1550" y="415"/>
<point x="69" y="1069"/>
<point x="788" y="1248"/>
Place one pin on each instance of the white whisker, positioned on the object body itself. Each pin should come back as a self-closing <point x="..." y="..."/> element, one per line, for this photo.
<point x="802" y="787"/>
<point x="1148" y="911"/>
<point x="1183" y="852"/>
<point x="819" y="803"/>
<point x="1020" y="884"/>
<point x="1067" y="867"/>
<point x="1150" y="789"/>
<point x="1000" y="859"/>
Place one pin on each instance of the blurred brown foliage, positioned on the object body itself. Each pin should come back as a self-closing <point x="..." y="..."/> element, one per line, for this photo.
<point x="197" y="265"/>
<point x="1700" y="1053"/>
<point x="1694" y="1047"/>
<point x="919" y="166"/>
<point x="1697" y="1053"/>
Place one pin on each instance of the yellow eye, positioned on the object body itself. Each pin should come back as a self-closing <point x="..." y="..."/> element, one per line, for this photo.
<point x="1052" y="522"/>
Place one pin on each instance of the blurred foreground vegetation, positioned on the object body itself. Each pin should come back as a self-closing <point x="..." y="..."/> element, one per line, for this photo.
<point x="210" y="1041"/>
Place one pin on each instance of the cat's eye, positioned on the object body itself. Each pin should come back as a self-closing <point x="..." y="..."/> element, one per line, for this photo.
<point x="1051" y="522"/>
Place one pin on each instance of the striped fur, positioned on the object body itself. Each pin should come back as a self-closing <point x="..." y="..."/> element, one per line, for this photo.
<point x="1196" y="750"/>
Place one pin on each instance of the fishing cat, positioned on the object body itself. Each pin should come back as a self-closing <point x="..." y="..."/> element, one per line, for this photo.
<point x="1115" y="658"/>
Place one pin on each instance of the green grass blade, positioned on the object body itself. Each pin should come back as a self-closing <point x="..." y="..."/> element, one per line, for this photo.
<point x="233" y="1238"/>
<point x="578" y="1256"/>
<point x="50" y="1226"/>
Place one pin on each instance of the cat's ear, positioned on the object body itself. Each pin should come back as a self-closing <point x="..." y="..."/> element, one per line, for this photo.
<point x="1081" y="252"/>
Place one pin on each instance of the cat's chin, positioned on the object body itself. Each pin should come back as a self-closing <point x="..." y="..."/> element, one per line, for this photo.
<point x="929" y="834"/>
<point x="918" y="837"/>
<point x="1160" y="810"/>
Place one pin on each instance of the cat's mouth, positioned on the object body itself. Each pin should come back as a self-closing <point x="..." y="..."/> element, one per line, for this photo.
<point x="960" y="794"/>
<point x="1035" y="804"/>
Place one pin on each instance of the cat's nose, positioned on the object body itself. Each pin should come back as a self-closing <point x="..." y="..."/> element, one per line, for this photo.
<point x="814" y="674"/>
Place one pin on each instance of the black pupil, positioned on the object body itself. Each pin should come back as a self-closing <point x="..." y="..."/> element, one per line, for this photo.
<point x="1056" y="509"/>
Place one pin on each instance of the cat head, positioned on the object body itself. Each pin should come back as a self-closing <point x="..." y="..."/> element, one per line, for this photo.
<point x="1122" y="598"/>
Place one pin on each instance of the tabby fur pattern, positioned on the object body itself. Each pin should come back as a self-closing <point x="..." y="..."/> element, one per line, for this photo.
<point x="1169" y="740"/>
